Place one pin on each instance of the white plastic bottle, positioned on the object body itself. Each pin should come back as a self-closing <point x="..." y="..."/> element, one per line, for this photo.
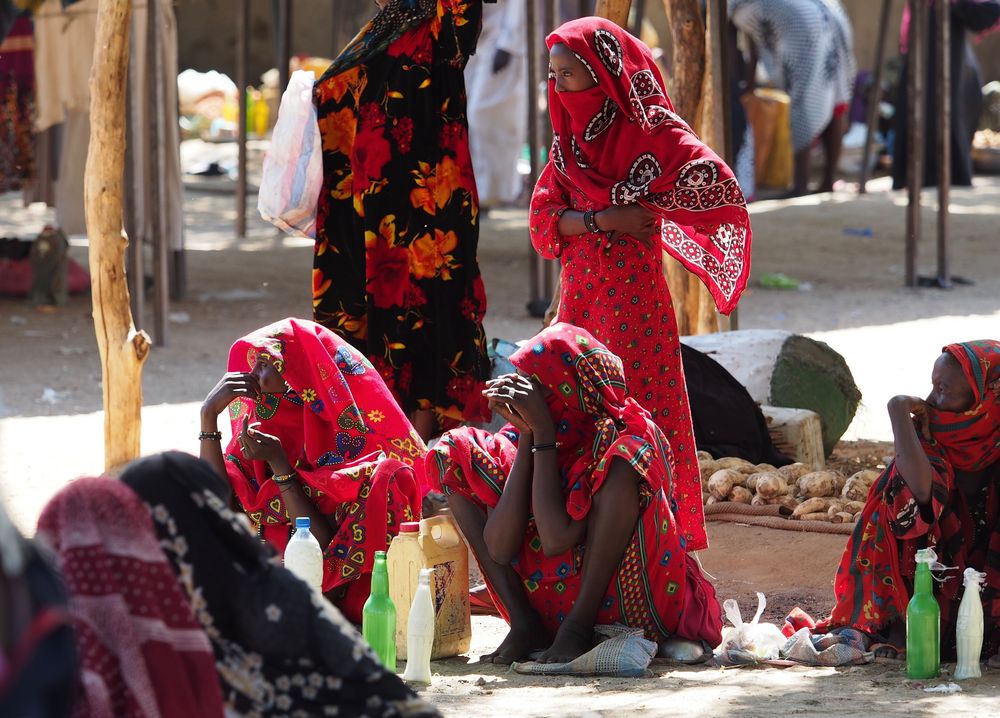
<point x="303" y="555"/>
<point x="420" y="631"/>
<point x="969" y="627"/>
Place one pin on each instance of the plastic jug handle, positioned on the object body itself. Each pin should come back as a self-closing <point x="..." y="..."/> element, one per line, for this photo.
<point x="442" y="530"/>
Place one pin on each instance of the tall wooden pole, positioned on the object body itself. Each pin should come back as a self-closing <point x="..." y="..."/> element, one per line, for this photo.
<point x="535" y="298"/>
<point x="875" y="94"/>
<point x="943" y="14"/>
<point x="614" y="10"/>
<point x="915" y="134"/>
<point x="156" y="207"/>
<point x="122" y="349"/>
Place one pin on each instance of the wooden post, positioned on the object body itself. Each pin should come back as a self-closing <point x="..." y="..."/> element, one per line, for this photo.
<point x="687" y="32"/>
<point x="242" y="71"/>
<point x="944" y="140"/>
<point x="873" y="99"/>
<point x="915" y="135"/>
<point x="614" y="10"/>
<point x="123" y="350"/>
<point x="640" y="15"/>
<point x="283" y="41"/>
<point x="534" y="141"/>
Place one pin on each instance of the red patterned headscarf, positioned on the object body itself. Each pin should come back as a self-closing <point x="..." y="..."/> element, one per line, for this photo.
<point x="337" y="415"/>
<point x="970" y="440"/>
<point x="595" y="422"/>
<point x="621" y="143"/>
<point x="143" y="653"/>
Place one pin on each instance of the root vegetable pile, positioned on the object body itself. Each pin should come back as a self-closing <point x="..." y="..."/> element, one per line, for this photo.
<point x="810" y="495"/>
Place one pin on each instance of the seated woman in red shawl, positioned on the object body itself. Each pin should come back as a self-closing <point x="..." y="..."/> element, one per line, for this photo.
<point x="315" y="432"/>
<point x="569" y="509"/>
<point x="628" y="180"/>
<point x="941" y="490"/>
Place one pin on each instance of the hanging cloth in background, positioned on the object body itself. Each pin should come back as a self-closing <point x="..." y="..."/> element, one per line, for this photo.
<point x="17" y="78"/>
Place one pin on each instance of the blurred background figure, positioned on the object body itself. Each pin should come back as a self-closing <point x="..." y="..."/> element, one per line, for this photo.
<point x="807" y="48"/>
<point x="967" y="17"/>
<point x="498" y="104"/>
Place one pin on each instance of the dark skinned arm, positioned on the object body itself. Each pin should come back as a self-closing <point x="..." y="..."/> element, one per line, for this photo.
<point x="507" y="523"/>
<point x="558" y="530"/>
<point x="911" y="461"/>
<point x="633" y="220"/>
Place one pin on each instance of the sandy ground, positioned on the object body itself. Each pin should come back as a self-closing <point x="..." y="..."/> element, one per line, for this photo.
<point x="51" y="425"/>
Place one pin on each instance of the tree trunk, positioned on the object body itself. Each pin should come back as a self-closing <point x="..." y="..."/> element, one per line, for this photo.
<point x="614" y="10"/>
<point x="691" y="94"/>
<point x="123" y="350"/>
<point x="687" y="31"/>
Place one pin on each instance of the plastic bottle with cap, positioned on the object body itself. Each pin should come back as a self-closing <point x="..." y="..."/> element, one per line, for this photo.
<point x="404" y="560"/>
<point x="304" y="556"/>
<point x="420" y="631"/>
<point x="378" y="617"/>
<point x="969" y="627"/>
<point x="923" y="622"/>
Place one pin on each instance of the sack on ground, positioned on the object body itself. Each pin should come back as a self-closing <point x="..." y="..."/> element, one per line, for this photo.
<point x="293" y="164"/>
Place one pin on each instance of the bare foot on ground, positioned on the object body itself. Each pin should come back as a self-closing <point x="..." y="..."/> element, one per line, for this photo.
<point x="572" y="641"/>
<point x="522" y="640"/>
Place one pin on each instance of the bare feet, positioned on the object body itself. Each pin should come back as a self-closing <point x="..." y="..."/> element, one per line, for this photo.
<point x="524" y="638"/>
<point x="572" y="641"/>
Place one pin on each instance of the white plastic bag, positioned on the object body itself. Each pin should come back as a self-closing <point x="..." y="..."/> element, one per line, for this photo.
<point x="293" y="165"/>
<point x="761" y="641"/>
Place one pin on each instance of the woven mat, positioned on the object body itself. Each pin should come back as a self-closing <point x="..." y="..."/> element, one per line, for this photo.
<point x="772" y="517"/>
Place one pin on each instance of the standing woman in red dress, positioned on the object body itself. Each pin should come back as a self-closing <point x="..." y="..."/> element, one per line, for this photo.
<point x="395" y="269"/>
<point x="627" y="180"/>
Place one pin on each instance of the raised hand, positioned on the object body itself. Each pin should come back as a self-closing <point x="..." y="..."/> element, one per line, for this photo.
<point x="522" y="399"/>
<point x="913" y="407"/>
<point x="258" y="446"/>
<point x="231" y="386"/>
<point x="633" y="220"/>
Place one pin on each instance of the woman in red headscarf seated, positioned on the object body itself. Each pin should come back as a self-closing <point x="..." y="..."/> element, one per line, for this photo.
<point x="942" y="490"/>
<point x="316" y="432"/>
<point x="569" y="509"/>
<point x="628" y="180"/>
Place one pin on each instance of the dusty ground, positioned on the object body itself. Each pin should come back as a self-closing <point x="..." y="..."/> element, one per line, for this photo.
<point x="50" y="428"/>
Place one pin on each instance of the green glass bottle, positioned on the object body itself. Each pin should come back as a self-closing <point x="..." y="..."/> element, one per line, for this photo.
<point x="378" y="617"/>
<point x="923" y="623"/>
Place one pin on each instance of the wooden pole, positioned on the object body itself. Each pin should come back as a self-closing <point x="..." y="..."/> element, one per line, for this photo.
<point x="874" y="95"/>
<point x="242" y="72"/>
<point x="943" y="140"/>
<point x="134" y="188"/>
<point x="614" y="10"/>
<point x="283" y="31"/>
<point x="122" y="349"/>
<point x="640" y="14"/>
<point x="914" y="136"/>
<point x="687" y="32"/>
<point x="534" y="141"/>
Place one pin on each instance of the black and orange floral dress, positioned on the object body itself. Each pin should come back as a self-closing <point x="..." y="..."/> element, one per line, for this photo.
<point x="395" y="269"/>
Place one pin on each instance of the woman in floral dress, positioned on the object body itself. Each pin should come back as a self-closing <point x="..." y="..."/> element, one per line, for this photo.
<point x="395" y="269"/>
<point x="628" y="180"/>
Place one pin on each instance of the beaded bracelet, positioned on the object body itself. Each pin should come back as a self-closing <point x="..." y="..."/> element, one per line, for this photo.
<point x="210" y="436"/>
<point x="281" y="479"/>
<point x="590" y="221"/>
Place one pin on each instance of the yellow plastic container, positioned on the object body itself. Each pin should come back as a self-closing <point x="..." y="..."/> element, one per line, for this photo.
<point x="437" y="544"/>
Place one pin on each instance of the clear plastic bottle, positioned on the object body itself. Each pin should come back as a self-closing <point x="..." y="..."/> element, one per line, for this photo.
<point x="420" y="631"/>
<point x="304" y="556"/>
<point x="969" y="627"/>
<point x="923" y="622"/>
<point x="378" y="617"/>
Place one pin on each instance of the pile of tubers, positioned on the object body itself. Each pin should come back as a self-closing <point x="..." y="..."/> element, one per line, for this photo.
<point x="811" y="495"/>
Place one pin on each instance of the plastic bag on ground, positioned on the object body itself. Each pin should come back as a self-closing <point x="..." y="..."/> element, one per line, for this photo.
<point x="749" y="642"/>
<point x="293" y="164"/>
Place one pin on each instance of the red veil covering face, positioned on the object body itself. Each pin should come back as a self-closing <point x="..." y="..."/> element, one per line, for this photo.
<point x="334" y="422"/>
<point x="658" y="587"/>
<point x="621" y="143"/>
<point x="869" y="585"/>
<point x="142" y="651"/>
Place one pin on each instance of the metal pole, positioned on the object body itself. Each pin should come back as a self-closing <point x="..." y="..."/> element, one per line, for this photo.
<point x="876" y="91"/>
<point x="914" y="136"/>
<point x="242" y="73"/>
<point x="155" y="207"/>
<point x="283" y="40"/>
<point x="534" y="286"/>
<point x="943" y="139"/>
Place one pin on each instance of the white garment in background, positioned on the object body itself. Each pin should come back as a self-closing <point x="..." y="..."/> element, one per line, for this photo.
<point x="498" y="103"/>
<point x="64" y="52"/>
